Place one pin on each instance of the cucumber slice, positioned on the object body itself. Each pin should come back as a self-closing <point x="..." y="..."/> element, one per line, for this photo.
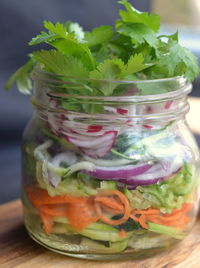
<point x="108" y="185"/>
<point x="170" y="231"/>
<point x="61" y="220"/>
<point x="102" y="232"/>
<point x="147" y="240"/>
<point x="59" y="228"/>
<point x="96" y="246"/>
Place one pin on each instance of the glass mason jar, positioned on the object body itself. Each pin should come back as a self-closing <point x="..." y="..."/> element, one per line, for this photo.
<point x="109" y="177"/>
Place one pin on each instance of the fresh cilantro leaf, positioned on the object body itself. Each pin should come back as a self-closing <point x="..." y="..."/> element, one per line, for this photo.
<point x="99" y="36"/>
<point x="42" y="37"/>
<point x="135" y="64"/>
<point x="139" y="33"/>
<point x="57" y="63"/>
<point x="69" y="43"/>
<point x="71" y="46"/>
<point x="132" y="51"/>
<point x="69" y="68"/>
<point x="21" y="77"/>
<point x="107" y="71"/>
<point x="132" y="15"/>
<point x="101" y="54"/>
<point x="122" y="47"/>
<point x="178" y="61"/>
<point x="58" y="29"/>
<point x="152" y="88"/>
<point x="172" y="37"/>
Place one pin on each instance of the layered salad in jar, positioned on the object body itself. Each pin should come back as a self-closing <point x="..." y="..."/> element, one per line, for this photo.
<point x="105" y="175"/>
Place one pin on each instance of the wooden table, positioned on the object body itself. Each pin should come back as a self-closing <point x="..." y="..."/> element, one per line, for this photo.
<point x="17" y="250"/>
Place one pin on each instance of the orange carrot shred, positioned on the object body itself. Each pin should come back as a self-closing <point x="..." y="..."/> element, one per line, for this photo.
<point x="47" y="222"/>
<point x="123" y="199"/>
<point x="122" y="233"/>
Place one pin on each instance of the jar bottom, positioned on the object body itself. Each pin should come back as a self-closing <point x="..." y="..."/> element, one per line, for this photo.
<point x="73" y="250"/>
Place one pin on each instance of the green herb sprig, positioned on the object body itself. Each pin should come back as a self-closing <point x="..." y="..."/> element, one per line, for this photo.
<point x="134" y="50"/>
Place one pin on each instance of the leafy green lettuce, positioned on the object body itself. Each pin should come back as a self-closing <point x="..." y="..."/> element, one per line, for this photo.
<point x="166" y="195"/>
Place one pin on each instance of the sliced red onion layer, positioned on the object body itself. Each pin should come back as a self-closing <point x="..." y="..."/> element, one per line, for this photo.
<point x="97" y="146"/>
<point x="154" y="175"/>
<point x="119" y="173"/>
<point x="136" y="175"/>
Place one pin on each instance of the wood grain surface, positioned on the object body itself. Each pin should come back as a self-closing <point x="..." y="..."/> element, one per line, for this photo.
<point x="17" y="250"/>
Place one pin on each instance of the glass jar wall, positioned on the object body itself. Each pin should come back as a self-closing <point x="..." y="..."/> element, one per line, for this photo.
<point x="109" y="177"/>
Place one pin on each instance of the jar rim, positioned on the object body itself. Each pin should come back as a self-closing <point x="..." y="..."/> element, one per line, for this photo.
<point x="167" y="79"/>
<point x="182" y="89"/>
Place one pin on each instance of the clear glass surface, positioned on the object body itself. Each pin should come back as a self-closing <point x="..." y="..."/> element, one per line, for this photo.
<point x="109" y="177"/>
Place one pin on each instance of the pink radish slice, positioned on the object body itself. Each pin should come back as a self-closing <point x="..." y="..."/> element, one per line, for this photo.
<point x="91" y="142"/>
<point x="96" y="153"/>
<point x="54" y="123"/>
<point x="168" y="104"/>
<point x="93" y="128"/>
<point x="119" y="173"/>
<point x="122" y="111"/>
<point x="147" y="126"/>
<point x="81" y="128"/>
<point x="53" y="120"/>
<point x="97" y="146"/>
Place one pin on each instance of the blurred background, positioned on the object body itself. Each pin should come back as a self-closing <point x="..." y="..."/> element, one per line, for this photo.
<point x="21" y="20"/>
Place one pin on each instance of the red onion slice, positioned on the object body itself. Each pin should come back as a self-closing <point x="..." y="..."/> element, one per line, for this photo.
<point x="154" y="175"/>
<point x="118" y="173"/>
<point x="135" y="175"/>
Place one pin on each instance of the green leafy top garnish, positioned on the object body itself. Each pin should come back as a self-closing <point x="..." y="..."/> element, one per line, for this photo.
<point x="132" y="51"/>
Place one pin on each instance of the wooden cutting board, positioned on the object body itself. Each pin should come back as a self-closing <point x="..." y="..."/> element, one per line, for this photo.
<point x="17" y="250"/>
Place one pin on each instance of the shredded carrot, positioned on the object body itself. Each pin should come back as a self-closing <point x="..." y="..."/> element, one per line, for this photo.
<point x="82" y="214"/>
<point x="40" y="197"/>
<point x="176" y="219"/>
<point x="80" y="211"/>
<point x="123" y="199"/>
<point x="47" y="222"/>
<point x="111" y="210"/>
<point x="133" y="217"/>
<point x="142" y="222"/>
<point x="110" y="202"/>
<point x="153" y="211"/>
<point x="122" y="233"/>
<point x="55" y="210"/>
